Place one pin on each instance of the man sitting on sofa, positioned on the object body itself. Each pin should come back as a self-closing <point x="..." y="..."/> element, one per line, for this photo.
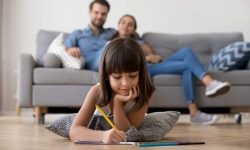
<point x="90" y="41"/>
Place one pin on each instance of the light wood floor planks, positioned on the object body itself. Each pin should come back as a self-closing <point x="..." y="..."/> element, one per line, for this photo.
<point x="20" y="133"/>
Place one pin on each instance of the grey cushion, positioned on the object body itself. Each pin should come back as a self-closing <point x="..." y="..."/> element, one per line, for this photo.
<point x="233" y="57"/>
<point x="51" y="61"/>
<point x="61" y="126"/>
<point x="166" y="80"/>
<point x="204" y="44"/>
<point x="43" y="40"/>
<point x="64" y="76"/>
<point x="155" y="126"/>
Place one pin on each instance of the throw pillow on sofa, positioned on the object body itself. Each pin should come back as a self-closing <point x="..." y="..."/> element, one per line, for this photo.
<point x="51" y="60"/>
<point x="233" y="57"/>
<point x="58" y="48"/>
<point x="155" y="126"/>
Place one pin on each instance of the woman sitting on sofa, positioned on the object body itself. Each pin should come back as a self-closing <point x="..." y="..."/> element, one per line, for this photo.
<point x="185" y="63"/>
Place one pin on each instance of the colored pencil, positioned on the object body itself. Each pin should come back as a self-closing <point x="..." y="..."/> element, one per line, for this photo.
<point x="168" y="144"/>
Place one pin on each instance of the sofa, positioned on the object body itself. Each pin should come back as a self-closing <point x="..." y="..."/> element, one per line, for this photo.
<point x="40" y="87"/>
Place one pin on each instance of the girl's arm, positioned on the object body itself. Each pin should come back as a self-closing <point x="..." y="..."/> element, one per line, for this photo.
<point x="134" y="117"/>
<point x="120" y="117"/>
<point x="79" y="130"/>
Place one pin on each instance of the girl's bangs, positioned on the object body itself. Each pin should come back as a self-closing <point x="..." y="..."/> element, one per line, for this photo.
<point x="123" y="62"/>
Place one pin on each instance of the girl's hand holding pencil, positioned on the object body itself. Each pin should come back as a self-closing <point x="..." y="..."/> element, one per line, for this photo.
<point x="113" y="135"/>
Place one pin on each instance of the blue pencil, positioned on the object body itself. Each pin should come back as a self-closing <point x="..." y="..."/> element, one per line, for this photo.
<point x="168" y="144"/>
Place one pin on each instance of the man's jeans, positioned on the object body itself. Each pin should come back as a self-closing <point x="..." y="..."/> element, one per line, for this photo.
<point x="185" y="63"/>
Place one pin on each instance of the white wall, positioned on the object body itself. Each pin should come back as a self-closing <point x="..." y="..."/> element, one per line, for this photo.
<point x="23" y="19"/>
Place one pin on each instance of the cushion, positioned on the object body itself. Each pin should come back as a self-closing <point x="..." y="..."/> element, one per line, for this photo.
<point x="155" y="126"/>
<point x="51" y="61"/>
<point x="61" y="125"/>
<point x="58" y="48"/>
<point x="233" y="57"/>
<point x="43" y="40"/>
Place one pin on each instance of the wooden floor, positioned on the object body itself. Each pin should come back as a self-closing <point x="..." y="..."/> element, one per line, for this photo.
<point x="20" y="133"/>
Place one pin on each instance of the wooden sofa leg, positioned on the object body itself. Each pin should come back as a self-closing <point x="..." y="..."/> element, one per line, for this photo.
<point x="38" y="113"/>
<point x="18" y="109"/>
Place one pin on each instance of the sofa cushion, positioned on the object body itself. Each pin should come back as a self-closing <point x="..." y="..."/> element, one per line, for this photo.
<point x="233" y="57"/>
<point x="234" y="77"/>
<point x="51" y="61"/>
<point x="64" y="76"/>
<point x="204" y="44"/>
<point x="58" y="48"/>
<point x="43" y="40"/>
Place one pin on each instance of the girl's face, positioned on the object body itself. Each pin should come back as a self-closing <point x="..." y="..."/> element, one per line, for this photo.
<point x="126" y="27"/>
<point x="121" y="83"/>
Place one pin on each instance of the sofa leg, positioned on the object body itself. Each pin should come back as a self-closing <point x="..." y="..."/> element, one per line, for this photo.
<point x="38" y="114"/>
<point x="18" y="109"/>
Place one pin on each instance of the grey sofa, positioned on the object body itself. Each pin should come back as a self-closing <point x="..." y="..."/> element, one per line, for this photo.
<point x="41" y="87"/>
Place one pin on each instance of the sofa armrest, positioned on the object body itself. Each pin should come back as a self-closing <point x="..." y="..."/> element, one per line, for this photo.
<point x="25" y="80"/>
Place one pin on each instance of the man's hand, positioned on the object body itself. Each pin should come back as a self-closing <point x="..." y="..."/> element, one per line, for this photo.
<point x="74" y="51"/>
<point x="153" y="58"/>
<point x="133" y="93"/>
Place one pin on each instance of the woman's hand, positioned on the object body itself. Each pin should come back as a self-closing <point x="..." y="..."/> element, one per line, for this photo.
<point x="153" y="58"/>
<point x="133" y="93"/>
<point x="114" y="136"/>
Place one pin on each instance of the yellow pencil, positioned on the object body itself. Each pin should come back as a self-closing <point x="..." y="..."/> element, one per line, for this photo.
<point x="105" y="116"/>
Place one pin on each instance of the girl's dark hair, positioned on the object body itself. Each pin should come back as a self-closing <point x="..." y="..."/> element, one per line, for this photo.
<point x="124" y="55"/>
<point x="134" y="36"/>
<point x="101" y="2"/>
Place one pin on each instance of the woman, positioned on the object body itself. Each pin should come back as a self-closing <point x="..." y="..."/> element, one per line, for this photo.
<point x="185" y="63"/>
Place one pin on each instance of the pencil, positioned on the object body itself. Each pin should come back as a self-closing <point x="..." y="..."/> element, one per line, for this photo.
<point x="168" y="144"/>
<point x="105" y="116"/>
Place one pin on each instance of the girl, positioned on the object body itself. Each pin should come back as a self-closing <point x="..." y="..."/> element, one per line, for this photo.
<point x="125" y="88"/>
<point x="183" y="62"/>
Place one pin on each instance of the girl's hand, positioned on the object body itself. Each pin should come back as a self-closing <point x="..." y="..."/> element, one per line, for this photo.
<point x="133" y="93"/>
<point x="113" y="136"/>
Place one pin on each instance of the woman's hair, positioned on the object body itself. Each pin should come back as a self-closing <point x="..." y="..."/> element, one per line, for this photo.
<point x="134" y="36"/>
<point x="124" y="55"/>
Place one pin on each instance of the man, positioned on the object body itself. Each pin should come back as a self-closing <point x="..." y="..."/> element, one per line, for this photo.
<point x="90" y="41"/>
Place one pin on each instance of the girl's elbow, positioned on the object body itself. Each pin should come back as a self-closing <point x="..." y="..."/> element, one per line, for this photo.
<point x="72" y="134"/>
